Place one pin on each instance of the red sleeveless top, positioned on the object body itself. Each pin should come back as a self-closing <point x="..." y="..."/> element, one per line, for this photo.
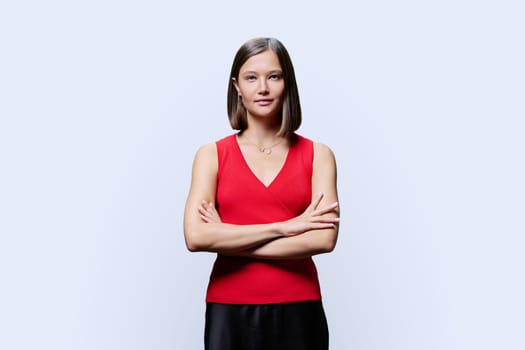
<point x="243" y="199"/>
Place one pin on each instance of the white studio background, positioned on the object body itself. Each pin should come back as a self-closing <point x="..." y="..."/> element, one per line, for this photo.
<point x="104" y="103"/>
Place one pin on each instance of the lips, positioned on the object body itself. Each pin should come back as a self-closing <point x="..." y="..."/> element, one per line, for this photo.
<point x="263" y="102"/>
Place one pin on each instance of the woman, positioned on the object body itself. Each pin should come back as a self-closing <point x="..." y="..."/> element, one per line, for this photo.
<point x="264" y="200"/>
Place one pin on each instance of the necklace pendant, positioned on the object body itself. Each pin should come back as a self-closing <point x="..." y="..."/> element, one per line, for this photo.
<point x="265" y="150"/>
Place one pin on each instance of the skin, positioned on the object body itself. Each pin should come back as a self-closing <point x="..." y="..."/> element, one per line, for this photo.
<point x="261" y="87"/>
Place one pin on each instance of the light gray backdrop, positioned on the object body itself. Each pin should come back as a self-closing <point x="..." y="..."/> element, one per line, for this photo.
<point x="104" y="103"/>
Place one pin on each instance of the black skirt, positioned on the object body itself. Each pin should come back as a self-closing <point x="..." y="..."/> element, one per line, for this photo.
<point x="290" y="326"/>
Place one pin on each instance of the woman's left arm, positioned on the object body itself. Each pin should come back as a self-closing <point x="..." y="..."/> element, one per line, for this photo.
<point x="324" y="180"/>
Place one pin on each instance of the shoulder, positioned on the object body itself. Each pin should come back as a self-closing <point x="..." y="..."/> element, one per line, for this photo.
<point x="324" y="159"/>
<point x="206" y="151"/>
<point x="205" y="161"/>
<point x="320" y="150"/>
<point x="209" y="150"/>
<point x="227" y="140"/>
<point x="324" y="165"/>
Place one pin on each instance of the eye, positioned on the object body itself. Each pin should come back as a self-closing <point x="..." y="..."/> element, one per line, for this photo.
<point x="250" y="77"/>
<point x="275" y="77"/>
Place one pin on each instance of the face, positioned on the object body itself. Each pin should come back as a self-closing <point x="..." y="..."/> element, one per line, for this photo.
<point x="261" y="85"/>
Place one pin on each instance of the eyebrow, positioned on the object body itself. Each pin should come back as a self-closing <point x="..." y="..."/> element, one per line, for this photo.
<point x="269" y="72"/>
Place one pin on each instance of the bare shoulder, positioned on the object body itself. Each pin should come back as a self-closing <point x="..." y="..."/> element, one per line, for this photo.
<point x="206" y="154"/>
<point x="205" y="162"/>
<point x="204" y="174"/>
<point x="323" y="154"/>
<point x="207" y="150"/>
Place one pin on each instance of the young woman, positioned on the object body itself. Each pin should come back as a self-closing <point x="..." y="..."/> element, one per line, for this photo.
<point x="265" y="200"/>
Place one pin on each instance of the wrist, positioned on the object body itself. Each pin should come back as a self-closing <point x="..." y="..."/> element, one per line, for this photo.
<point x="276" y="229"/>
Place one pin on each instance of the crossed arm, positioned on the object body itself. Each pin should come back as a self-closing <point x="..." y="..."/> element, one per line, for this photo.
<point x="312" y="232"/>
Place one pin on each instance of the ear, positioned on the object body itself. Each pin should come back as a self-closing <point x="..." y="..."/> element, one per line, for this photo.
<point x="236" y="84"/>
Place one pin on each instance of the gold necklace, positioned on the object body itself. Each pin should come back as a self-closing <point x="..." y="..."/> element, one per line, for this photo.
<point x="262" y="149"/>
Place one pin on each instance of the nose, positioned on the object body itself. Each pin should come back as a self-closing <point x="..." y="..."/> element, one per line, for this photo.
<point x="263" y="87"/>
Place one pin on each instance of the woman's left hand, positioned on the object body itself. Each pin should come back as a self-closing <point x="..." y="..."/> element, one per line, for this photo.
<point x="208" y="213"/>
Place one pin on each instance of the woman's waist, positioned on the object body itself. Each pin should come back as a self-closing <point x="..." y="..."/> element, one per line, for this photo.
<point x="248" y="280"/>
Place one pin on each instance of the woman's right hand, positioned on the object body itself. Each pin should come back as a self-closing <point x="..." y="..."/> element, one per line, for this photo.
<point x="313" y="218"/>
<point x="208" y="212"/>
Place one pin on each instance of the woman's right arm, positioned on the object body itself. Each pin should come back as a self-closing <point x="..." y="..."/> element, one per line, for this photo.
<point x="216" y="237"/>
<point x="227" y="238"/>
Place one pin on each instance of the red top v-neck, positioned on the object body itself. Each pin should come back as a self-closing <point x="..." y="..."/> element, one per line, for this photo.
<point x="243" y="199"/>
<point x="253" y="173"/>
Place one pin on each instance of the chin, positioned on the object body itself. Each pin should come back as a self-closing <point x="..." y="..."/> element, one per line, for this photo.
<point x="269" y="113"/>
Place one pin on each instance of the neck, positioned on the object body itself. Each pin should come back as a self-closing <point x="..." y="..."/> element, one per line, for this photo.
<point x="262" y="130"/>
<point x="261" y="137"/>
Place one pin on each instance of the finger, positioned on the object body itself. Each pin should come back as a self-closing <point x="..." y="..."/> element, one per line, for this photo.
<point x="203" y="211"/>
<point x="212" y="213"/>
<point x="211" y="209"/>
<point x="316" y="201"/>
<point x="205" y="218"/>
<point x="327" y="209"/>
<point x="205" y="205"/>
<point x="322" y="226"/>
<point x="327" y="219"/>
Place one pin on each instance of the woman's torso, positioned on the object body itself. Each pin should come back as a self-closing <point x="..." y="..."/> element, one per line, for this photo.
<point x="243" y="199"/>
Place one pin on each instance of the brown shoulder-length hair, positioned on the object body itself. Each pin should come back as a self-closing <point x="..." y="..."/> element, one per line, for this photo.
<point x="291" y="110"/>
